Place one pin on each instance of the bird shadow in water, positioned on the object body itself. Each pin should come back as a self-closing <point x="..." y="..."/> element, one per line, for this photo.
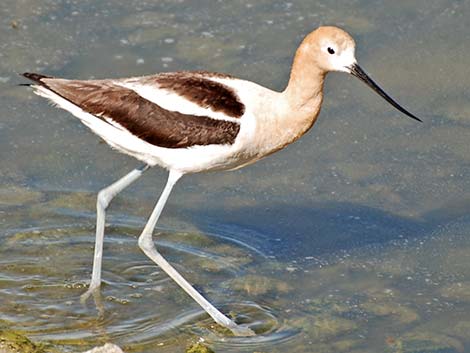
<point x="289" y="232"/>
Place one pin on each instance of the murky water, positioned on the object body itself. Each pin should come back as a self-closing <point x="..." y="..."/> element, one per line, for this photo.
<point x="355" y="239"/>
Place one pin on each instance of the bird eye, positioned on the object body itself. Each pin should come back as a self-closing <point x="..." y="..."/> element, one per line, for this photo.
<point x="331" y="50"/>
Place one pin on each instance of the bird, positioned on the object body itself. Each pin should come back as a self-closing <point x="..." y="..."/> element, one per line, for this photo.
<point x="196" y="121"/>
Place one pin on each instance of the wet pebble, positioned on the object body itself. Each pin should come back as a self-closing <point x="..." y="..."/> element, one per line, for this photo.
<point x="107" y="348"/>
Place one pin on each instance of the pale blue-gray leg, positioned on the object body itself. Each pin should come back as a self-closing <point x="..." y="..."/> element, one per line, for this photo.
<point x="104" y="198"/>
<point x="148" y="247"/>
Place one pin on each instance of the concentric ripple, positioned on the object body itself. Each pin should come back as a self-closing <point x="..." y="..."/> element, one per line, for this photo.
<point x="46" y="269"/>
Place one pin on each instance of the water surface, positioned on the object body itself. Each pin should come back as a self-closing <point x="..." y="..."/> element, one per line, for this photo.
<point x="354" y="239"/>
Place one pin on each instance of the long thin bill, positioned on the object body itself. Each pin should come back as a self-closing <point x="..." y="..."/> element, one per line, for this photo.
<point x="360" y="74"/>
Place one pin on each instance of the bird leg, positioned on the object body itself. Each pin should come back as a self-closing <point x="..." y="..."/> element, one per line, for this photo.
<point x="104" y="198"/>
<point x="148" y="247"/>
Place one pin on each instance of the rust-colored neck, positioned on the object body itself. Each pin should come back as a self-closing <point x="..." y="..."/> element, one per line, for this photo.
<point x="305" y="87"/>
<point x="304" y="92"/>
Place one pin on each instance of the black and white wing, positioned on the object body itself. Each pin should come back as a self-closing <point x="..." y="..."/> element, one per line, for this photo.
<point x="173" y="110"/>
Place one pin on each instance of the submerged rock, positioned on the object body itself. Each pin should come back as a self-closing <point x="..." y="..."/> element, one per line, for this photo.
<point x="107" y="348"/>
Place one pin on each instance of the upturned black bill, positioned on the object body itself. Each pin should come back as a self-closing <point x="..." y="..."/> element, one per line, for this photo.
<point x="360" y="74"/>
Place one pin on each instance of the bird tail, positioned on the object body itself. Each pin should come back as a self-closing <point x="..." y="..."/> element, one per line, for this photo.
<point x="36" y="78"/>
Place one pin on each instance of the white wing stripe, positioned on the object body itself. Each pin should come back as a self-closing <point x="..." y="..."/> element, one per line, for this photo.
<point x="174" y="102"/>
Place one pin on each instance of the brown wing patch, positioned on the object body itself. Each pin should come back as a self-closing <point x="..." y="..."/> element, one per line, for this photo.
<point x="141" y="117"/>
<point x="202" y="91"/>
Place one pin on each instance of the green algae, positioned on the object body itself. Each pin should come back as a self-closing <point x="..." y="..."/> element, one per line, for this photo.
<point x="461" y="330"/>
<point x="328" y="305"/>
<point x="75" y="201"/>
<point x="216" y="328"/>
<point x="199" y="348"/>
<point x="365" y="155"/>
<point x="15" y="342"/>
<point x="325" y="327"/>
<point x="398" y="312"/>
<point x="15" y="195"/>
<point x="427" y="342"/>
<point x="459" y="291"/>
<point x="256" y="285"/>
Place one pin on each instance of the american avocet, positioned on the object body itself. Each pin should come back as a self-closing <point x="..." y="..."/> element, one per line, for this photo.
<point x="189" y="122"/>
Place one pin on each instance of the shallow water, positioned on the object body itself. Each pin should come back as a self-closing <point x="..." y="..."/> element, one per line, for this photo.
<point x="354" y="239"/>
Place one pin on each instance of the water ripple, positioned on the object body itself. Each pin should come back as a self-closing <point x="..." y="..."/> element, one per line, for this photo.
<point x="48" y="267"/>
